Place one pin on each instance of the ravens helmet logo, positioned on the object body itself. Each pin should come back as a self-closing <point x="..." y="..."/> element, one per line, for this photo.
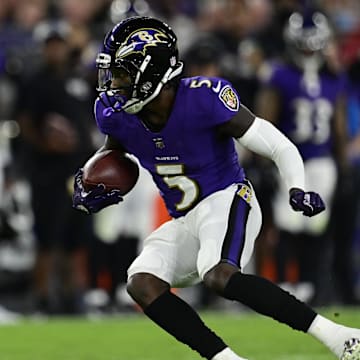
<point x="140" y="40"/>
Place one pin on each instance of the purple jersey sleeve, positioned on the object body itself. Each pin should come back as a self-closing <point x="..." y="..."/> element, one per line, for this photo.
<point x="215" y="98"/>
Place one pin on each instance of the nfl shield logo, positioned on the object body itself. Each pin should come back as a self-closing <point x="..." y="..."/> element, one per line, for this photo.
<point x="159" y="143"/>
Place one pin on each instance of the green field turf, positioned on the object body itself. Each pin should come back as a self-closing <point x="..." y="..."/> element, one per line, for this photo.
<point x="134" y="337"/>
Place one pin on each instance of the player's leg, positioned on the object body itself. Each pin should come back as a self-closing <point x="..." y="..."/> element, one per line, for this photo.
<point x="270" y="300"/>
<point x="47" y="225"/>
<point x="176" y="317"/>
<point x="257" y="293"/>
<point x="148" y="284"/>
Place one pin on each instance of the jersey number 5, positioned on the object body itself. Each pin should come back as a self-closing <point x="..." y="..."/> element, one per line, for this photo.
<point x="173" y="176"/>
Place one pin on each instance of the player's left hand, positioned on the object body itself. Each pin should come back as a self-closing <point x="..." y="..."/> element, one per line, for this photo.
<point x="310" y="203"/>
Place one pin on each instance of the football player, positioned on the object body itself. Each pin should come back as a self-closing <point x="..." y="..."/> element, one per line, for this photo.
<point x="304" y="97"/>
<point x="182" y="130"/>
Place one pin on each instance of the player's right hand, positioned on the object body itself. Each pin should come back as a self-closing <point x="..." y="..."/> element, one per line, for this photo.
<point x="94" y="200"/>
<point x="310" y="203"/>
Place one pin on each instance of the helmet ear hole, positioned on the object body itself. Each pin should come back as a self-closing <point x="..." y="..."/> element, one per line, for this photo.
<point x="147" y="48"/>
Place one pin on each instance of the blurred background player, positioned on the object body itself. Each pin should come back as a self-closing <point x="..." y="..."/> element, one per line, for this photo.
<point x="54" y="113"/>
<point x="346" y="210"/>
<point x="305" y="98"/>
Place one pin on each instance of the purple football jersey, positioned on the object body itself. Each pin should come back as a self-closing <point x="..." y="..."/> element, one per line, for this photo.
<point x="187" y="159"/>
<point x="307" y="108"/>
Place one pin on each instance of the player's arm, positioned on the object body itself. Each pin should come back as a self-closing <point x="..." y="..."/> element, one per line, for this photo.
<point x="263" y="138"/>
<point x="95" y="200"/>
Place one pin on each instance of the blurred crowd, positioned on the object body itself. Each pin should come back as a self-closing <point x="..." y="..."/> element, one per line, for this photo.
<point x="54" y="260"/>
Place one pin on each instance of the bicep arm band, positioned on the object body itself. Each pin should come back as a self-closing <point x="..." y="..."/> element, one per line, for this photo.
<point x="265" y="139"/>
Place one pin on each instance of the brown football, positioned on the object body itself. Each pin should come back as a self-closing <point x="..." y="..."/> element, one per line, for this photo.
<point x="111" y="168"/>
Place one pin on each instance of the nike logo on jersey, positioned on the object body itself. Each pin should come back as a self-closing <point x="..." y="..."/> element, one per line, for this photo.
<point x="217" y="88"/>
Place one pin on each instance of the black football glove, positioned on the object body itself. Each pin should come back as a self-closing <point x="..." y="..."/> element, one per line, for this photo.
<point x="93" y="200"/>
<point x="310" y="203"/>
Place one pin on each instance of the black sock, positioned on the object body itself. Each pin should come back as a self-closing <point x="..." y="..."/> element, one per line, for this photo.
<point x="177" y="318"/>
<point x="268" y="299"/>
